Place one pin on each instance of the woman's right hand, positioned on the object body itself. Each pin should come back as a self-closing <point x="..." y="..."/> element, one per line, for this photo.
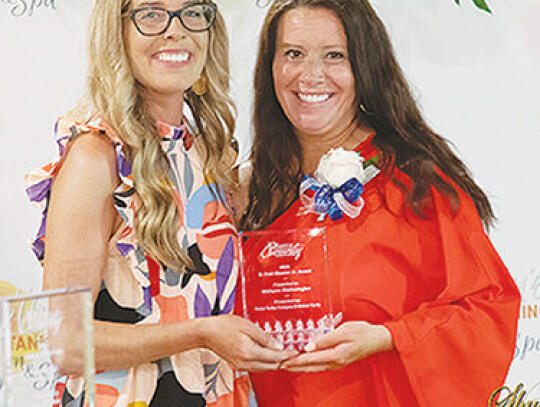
<point x="243" y="344"/>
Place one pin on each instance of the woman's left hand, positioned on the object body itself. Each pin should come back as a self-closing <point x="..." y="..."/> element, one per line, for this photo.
<point x="350" y="342"/>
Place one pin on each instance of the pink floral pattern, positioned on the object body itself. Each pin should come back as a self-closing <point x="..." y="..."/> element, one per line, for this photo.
<point x="194" y="378"/>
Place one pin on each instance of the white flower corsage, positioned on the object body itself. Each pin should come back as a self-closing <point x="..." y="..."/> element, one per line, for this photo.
<point x="337" y="186"/>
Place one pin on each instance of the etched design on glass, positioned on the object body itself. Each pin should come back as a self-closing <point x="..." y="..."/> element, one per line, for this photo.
<point x="298" y="334"/>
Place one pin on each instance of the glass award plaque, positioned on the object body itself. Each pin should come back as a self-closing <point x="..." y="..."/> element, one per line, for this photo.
<point x="38" y="334"/>
<point x="284" y="284"/>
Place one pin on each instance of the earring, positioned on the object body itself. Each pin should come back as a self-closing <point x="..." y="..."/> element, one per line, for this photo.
<point x="199" y="87"/>
<point x="364" y="110"/>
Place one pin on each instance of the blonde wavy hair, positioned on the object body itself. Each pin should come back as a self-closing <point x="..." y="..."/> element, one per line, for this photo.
<point x="115" y="94"/>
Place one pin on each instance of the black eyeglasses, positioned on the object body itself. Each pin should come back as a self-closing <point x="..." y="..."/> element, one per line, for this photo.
<point x="194" y="17"/>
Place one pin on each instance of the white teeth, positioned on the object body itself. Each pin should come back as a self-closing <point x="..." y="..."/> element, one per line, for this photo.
<point x="305" y="97"/>
<point x="178" y="57"/>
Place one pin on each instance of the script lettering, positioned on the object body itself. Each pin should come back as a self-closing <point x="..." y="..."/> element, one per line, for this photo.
<point x="526" y="345"/>
<point x="508" y="398"/>
<point x="262" y="3"/>
<point x="21" y="8"/>
<point x="274" y="249"/>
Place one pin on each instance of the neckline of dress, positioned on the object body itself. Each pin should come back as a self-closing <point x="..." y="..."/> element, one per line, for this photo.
<point x="365" y="148"/>
<point x="171" y="134"/>
<point x="169" y="131"/>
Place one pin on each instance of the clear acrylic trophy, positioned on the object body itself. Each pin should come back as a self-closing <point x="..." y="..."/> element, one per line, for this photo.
<point x="38" y="333"/>
<point x="285" y="286"/>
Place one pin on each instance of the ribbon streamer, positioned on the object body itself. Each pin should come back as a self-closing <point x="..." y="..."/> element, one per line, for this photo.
<point x="331" y="201"/>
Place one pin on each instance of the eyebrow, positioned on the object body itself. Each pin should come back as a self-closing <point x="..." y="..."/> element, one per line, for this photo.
<point x="290" y="45"/>
<point x="149" y="4"/>
<point x="335" y="46"/>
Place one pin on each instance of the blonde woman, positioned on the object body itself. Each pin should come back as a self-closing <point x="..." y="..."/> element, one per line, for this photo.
<point x="134" y="208"/>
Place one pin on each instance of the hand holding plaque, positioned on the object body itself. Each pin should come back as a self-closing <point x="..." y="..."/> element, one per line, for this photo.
<point x="285" y="285"/>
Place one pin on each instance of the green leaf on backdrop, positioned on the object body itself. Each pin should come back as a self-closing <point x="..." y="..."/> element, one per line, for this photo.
<point x="481" y="4"/>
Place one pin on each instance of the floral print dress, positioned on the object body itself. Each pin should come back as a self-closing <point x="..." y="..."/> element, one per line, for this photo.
<point x="137" y="290"/>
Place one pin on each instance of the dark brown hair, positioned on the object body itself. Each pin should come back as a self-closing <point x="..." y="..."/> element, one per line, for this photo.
<point x="402" y="135"/>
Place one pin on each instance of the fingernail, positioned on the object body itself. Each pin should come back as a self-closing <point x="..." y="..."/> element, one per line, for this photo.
<point x="309" y="347"/>
<point x="277" y="345"/>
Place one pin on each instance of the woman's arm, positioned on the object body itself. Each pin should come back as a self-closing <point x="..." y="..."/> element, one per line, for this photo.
<point x="121" y="346"/>
<point x="81" y="215"/>
<point x="467" y="318"/>
<point x="80" y="223"/>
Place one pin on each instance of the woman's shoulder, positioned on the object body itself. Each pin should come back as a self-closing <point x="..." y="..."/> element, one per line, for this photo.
<point x="88" y="149"/>
<point x="450" y="201"/>
<point x="89" y="146"/>
<point x="92" y="157"/>
<point x="86" y="168"/>
<point x="73" y="125"/>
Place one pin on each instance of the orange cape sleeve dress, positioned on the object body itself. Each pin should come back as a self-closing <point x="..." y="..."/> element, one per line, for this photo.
<point x="436" y="283"/>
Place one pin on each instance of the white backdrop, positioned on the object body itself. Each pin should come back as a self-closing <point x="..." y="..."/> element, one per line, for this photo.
<point x="475" y="75"/>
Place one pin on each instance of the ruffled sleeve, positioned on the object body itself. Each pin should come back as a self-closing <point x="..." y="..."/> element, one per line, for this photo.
<point x="39" y="182"/>
<point x="457" y="347"/>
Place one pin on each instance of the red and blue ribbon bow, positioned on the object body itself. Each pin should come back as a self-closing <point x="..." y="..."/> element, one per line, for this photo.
<point x="332" y="201"/>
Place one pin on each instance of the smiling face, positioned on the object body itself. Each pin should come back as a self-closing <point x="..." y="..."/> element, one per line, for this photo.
<point x="312" y="74"/>
<point x="168" y="63"/>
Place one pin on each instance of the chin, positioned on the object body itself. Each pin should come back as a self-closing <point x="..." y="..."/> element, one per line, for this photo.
<point x="171" y="88"/>
<point x="310" y="127"/>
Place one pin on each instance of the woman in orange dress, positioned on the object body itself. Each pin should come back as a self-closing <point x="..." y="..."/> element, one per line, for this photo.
<point x="429" y="309"/>
<point x="133" y="208"/>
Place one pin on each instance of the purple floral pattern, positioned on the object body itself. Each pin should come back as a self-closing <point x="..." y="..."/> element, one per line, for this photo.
<point x="197" y="376"/>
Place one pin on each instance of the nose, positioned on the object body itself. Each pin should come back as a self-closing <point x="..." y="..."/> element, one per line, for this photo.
<point x="312" y="72"/>
<point x="176" y="29"/>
